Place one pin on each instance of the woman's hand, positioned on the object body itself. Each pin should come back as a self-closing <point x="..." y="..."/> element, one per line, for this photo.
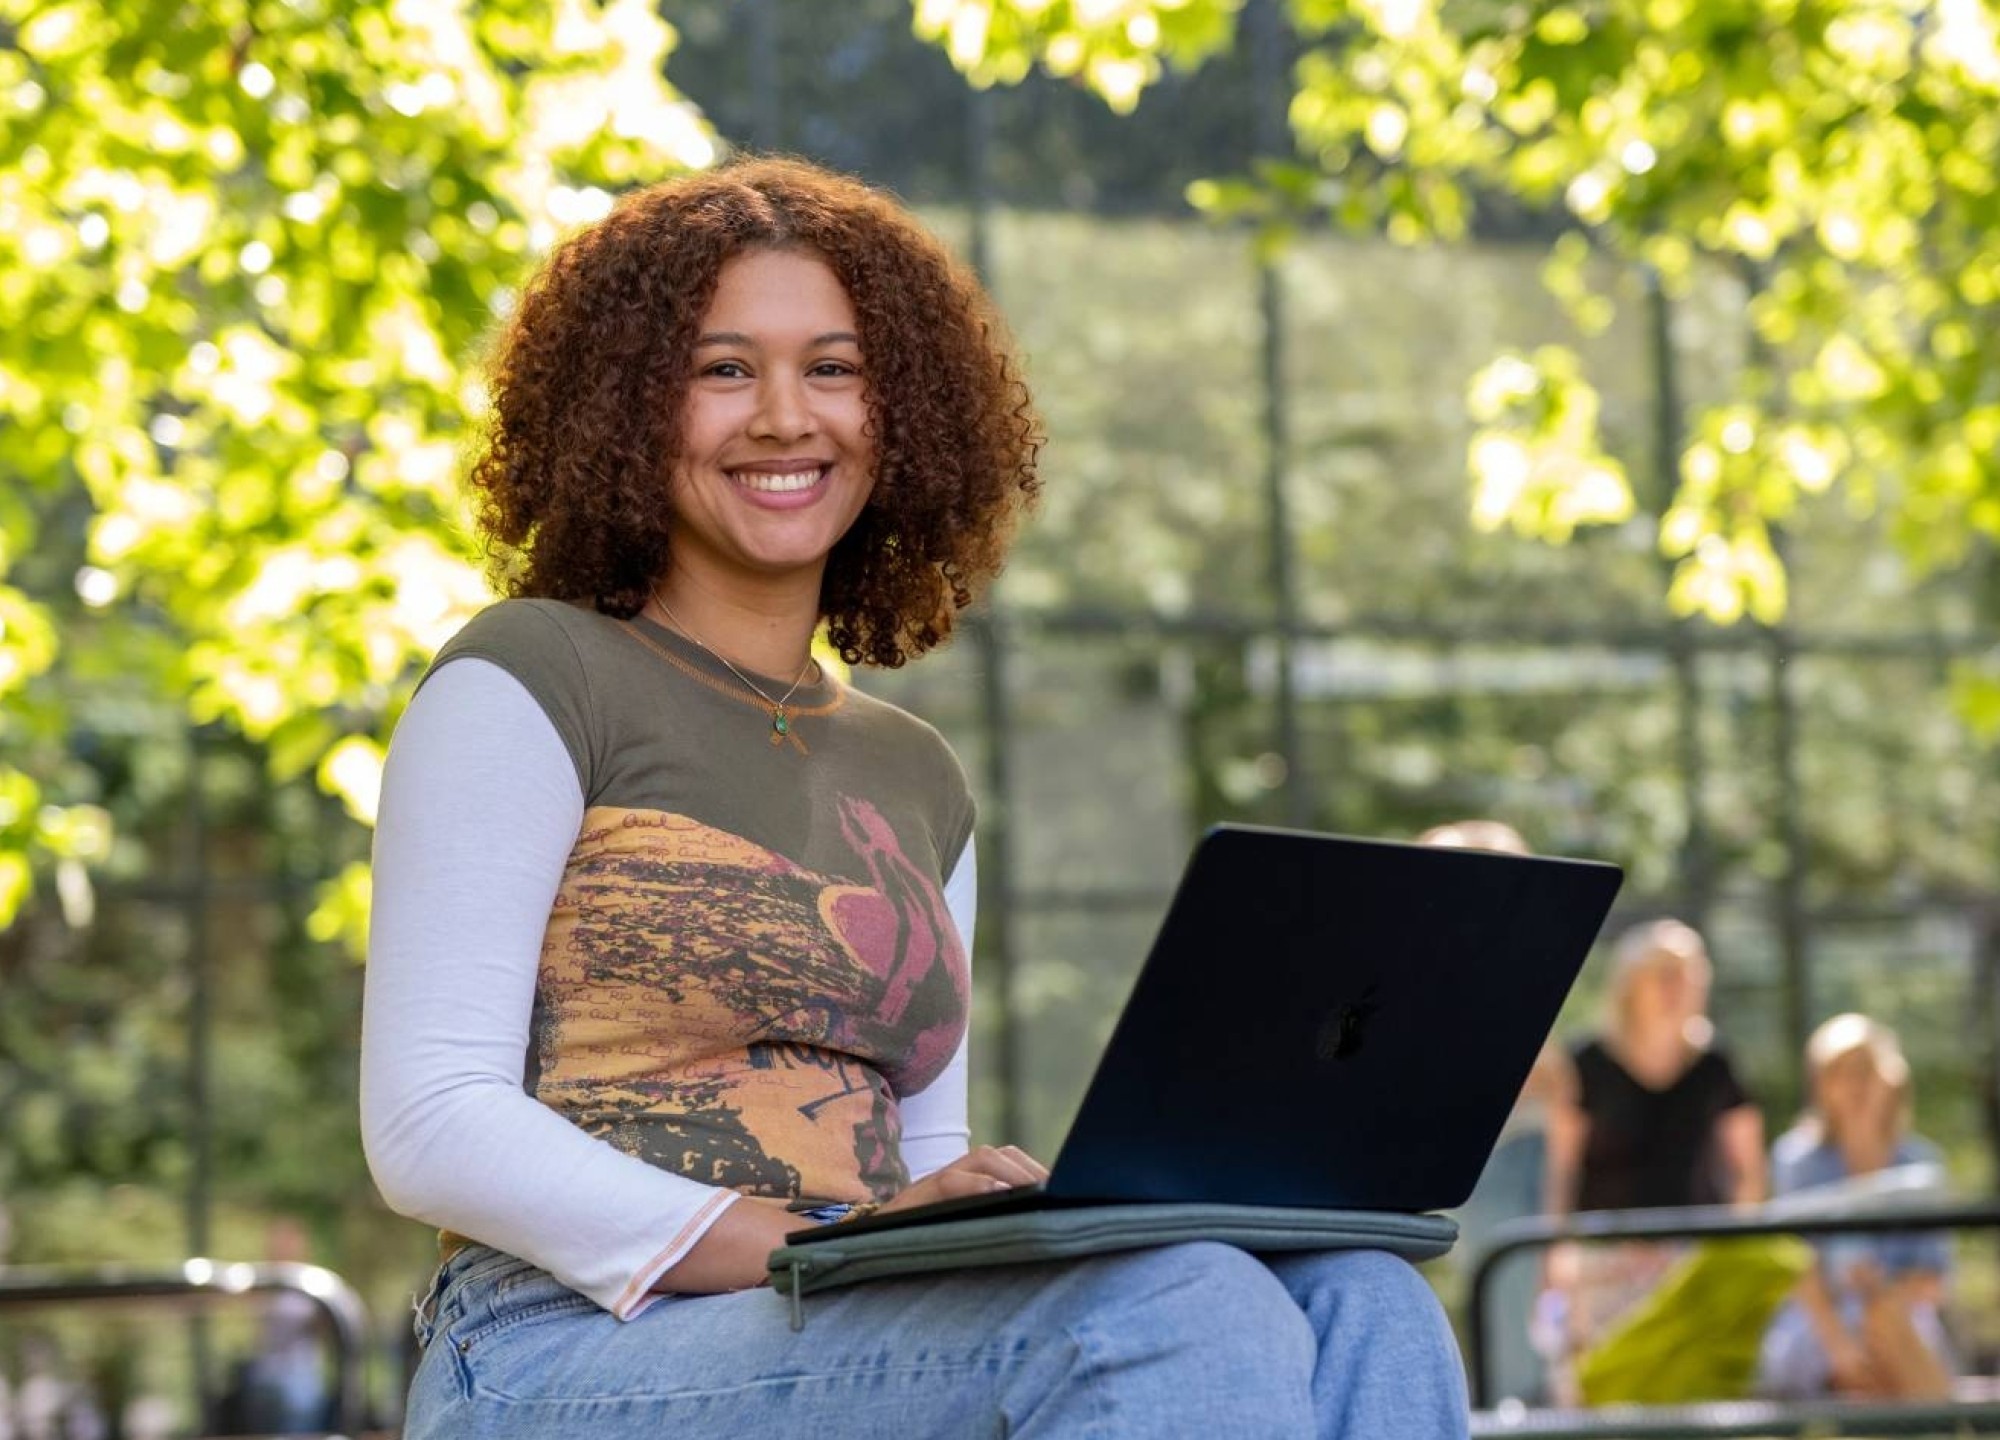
<point x="1850" y="1371"/>
<point x="980" y="1171"/>
<point x="731" y="1254"/>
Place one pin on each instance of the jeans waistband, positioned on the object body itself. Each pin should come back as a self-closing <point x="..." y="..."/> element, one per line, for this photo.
<point x="465" y="1265"/>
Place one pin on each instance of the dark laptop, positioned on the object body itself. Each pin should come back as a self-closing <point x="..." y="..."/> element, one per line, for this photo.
<point x="1324" y="1022"/>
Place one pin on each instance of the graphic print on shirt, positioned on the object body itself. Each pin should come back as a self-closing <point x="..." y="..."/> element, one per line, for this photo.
<point x="717" y="1010"/>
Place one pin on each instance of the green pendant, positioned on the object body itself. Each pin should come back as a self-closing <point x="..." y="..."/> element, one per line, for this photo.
<point x="779" y="724"/>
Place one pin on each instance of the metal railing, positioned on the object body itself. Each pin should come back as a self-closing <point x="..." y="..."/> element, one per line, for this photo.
<point x="202" y="1283"/>
<point x="1742" y="1418"/>
<point x="1721" y="1417"/>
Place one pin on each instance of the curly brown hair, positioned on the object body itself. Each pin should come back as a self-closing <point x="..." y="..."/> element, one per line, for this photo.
<point x="590" y="376"/>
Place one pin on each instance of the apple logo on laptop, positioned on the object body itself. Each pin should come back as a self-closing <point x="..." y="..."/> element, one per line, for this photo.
<point x="1345" y="1027"/>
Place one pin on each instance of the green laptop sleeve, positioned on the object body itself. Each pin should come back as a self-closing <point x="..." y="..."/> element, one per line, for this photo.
<point x="832" y="1259"/>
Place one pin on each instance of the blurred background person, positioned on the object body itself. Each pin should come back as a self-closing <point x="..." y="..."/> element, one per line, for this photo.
<point x="1658" y="1118"/>
<point x="282" y="1386"/>
<point x="1513" y="1184"/>
<point x="1865" y="1322"/>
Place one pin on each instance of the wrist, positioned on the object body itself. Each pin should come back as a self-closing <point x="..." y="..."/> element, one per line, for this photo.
<point x="731" y="1255"/>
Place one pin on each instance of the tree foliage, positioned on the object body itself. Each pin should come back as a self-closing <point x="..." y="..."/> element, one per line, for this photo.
<point x="1836" y="155"/>
<point x="1116" y="47"/>
<point x="246" y="250"/>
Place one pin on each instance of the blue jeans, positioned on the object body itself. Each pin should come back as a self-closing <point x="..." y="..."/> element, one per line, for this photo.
<point x="1188" y="1340"/>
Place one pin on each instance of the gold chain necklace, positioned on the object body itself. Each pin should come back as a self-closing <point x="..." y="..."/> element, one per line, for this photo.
<point x="780" y="725"/>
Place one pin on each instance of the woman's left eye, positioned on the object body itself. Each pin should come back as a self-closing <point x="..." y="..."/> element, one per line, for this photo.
<point x="833" y="367"/>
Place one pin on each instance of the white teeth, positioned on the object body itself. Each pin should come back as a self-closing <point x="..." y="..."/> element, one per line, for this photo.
<point x="772" y="484"/>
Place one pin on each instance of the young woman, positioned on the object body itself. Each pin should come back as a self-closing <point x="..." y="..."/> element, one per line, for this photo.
<point x="1660" y="1117"/>
<point x="1865" y="1322"/>
<point x="671" y="927"/>
<point x="1657" y="1118"/>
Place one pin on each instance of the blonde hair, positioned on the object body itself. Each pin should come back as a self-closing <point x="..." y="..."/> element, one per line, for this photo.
<point x="1843" y="1037"/>
<point x="1476" y="835"/>
<point x="1644" y="950"/>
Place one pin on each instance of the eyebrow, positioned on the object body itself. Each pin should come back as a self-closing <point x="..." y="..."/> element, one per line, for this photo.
<point x="738" y="338"/>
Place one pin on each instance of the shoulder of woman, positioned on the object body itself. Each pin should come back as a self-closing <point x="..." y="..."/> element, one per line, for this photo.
<point x="536" y="633"/>
<point x="1801" y="1158"/>
<point x="541" y="643"/>
<point x="511" y="622"/>
<point x="1590" y="1052"/>
<point x="1797" y="1143"/>
<point x="922" y="741"/>
<point x="924" y="757"/>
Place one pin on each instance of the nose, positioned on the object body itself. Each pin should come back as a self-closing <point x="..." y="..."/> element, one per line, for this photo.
<point x="783" y="411"/>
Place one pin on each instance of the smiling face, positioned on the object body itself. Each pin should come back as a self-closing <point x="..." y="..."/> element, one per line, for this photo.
<point x="776" y="460"/>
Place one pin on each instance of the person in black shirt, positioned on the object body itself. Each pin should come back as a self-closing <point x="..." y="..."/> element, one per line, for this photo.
<point x="1658" y="1118"/>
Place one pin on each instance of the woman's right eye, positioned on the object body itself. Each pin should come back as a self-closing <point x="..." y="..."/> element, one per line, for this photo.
<point x="727" y="370"/>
